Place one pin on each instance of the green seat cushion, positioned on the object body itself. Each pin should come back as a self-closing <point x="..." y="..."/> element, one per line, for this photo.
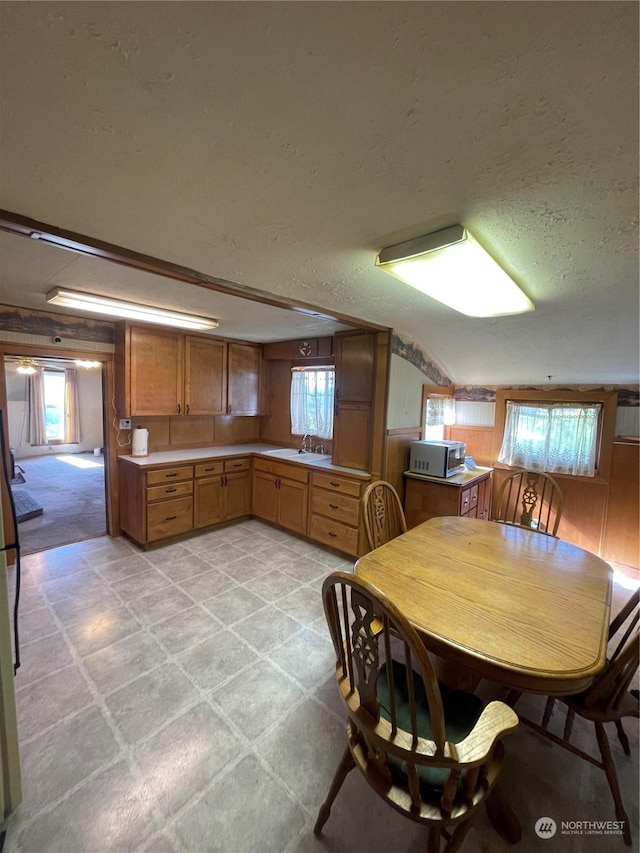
<point x="461" y="712"/>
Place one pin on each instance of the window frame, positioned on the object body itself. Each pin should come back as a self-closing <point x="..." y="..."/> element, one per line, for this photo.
<point x="306" y="367"/>
<point x="55" y="371"/>
<point x="609" y="401"/>
<point x="433" y="391"/>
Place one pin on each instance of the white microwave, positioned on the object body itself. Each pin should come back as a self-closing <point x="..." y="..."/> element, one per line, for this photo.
<point x="437" y="458"/>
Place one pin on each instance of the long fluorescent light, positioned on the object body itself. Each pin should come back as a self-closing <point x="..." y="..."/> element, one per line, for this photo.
<point x="452" y="267"/>
<point x="129" y="310"/>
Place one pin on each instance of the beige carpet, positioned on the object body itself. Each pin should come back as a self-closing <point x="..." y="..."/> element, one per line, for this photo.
<point x="70" y="490"/>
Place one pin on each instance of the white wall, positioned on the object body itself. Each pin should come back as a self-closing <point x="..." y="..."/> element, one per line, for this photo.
<point x="405" y="394"/>
<point x="90" y="399"/>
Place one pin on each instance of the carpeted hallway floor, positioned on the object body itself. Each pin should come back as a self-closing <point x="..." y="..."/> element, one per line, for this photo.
<point x="70" y="490"/>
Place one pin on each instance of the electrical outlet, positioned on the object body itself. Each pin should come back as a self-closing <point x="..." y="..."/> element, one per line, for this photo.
<point x="125" y="423"/>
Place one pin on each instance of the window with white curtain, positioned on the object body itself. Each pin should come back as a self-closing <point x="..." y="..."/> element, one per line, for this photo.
<point x="439" y="412"/>
<point x="312" y="394"/>
<point x="556" y="437"/>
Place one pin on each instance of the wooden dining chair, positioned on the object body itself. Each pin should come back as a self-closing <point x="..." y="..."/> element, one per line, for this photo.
<point x="383" y="514"/>
<point x="530" y="499"/>
<point x="429" y="752"/>
<point x="606" y="700"/>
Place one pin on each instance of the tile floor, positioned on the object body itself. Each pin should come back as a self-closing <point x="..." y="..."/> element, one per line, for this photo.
<point x="182" y="700"/>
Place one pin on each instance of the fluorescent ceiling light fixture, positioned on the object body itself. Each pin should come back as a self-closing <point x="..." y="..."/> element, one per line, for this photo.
<point x="128" y="310"/>
<point x="452" y="267"/>
<point x="80" y="362"/>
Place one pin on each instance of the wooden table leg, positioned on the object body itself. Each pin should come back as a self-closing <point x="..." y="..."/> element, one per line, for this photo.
<point x="502" y="817"/>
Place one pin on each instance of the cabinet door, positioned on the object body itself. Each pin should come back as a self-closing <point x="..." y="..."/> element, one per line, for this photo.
<point x="156" y="367"/>
<point x="205" y="378"/>
<point x="237" y="499"/>
<point x="484" y="499"/>
<point x="208" y="507"/>
<point x="293" y="500"/>
<point x="352" y="436"/>
<point x="264" y="501"/>
<point x="355" y="362"/>
<point x="244" y="379"/>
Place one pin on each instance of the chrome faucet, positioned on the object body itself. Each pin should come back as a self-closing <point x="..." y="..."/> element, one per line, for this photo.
<point x="304" y="446"/>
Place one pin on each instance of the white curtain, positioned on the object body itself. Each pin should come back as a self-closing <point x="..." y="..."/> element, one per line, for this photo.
<point x="440" y="411"/>
<point x="37" y="426"/>
<point x="559" y="438"/>
<point x="312" y="393"/>
<point x="71" y="407"/>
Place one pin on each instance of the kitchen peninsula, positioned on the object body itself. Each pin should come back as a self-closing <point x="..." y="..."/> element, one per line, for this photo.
<point x="177" y="493"/>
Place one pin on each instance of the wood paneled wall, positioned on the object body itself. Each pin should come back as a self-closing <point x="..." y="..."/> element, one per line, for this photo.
<point x="598" y="516"/>
<point x="397" y="458"/>
<point x="620" y="538"/>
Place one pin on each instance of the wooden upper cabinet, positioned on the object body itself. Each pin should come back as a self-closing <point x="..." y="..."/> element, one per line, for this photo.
<point x="355" y="366"/>
<point x="163" y="372"/>
<point x="244" y="379"/>
<point x="355" y="385"/>
<point x="155" y="358"/>
<point x="205" y="376"/>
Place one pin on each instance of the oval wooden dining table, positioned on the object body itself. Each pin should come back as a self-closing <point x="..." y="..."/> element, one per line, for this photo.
<point x="518" y="607"/>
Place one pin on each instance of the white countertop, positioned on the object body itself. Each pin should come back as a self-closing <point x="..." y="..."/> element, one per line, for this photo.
<point x="198" y="454"/>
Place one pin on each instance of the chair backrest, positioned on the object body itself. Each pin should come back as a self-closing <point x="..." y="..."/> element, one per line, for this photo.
<point x="530" y="499"/>
<point x="625" y="622"/>
<point x="610" y="686"/>
<point x="383" y="514"/>
<point x="397" y="729"/>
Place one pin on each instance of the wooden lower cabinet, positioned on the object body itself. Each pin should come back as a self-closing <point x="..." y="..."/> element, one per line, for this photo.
<point x="334" y="517"/>
<point x="280" y="494"/>
<point x="169" y="499"/>
<point x="467" y="494"/>
<point x="222" y="491"/>
<point x="161" y="503"/>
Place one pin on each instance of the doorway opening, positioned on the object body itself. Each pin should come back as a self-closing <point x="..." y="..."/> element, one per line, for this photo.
<point x="56" y="441"/>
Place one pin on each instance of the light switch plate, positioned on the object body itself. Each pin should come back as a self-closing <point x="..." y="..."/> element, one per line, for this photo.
<point x="125" y="423"/>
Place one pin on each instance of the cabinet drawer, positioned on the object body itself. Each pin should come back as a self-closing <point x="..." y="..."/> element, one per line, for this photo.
<point x="289" y="472"/>
<point x="468" y="499"/>
<point x="209" y="469"/>
<point x="343" y="508"/>
<point x="334" y="534"/>
<point x="166" y="475"/>
<point x="169" y="518"/>
<point x="170" y="490"/>
<point x="241" y="464"/>
<point x="336" y="483"/>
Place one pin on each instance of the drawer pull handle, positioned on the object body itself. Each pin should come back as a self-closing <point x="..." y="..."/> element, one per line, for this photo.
<point x="171" y="517"/>
<point x="335" y="484"/>
<point x="169" y="491"/>
<point x="332" y="534"/>
<point x="333" y="506"/>
<point x="175" y="474"/>
<point x="206" y="470"/>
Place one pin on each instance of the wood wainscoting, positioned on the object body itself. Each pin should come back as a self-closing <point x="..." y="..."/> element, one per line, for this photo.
<point x="397" y="455"/>
<point x="601" y="517"/>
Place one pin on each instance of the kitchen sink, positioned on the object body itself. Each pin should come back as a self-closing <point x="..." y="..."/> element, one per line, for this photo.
<point x="294" y="455"/>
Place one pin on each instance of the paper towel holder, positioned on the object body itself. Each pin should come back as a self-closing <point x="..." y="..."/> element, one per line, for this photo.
<point x="139" y="441"/>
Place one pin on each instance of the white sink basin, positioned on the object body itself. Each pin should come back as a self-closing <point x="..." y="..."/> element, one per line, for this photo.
<point x="295" y="456"/>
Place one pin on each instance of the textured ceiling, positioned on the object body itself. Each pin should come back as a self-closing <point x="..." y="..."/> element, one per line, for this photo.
<point x="281" y="145"/>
